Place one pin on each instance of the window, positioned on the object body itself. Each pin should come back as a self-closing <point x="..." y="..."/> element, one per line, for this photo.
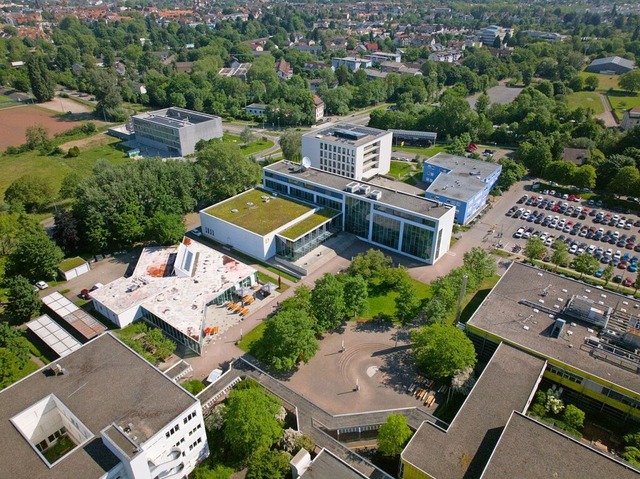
<point x="173" y="430"/>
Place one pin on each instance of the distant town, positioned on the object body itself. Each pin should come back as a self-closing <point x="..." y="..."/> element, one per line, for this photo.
<point x="319" y="239"/>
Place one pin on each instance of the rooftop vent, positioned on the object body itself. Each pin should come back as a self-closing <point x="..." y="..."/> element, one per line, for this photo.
<point x="365" y="189"/>
<point x="56" y="369"/>
<point x="352" y="187"/>
<point x="376" y="194"/>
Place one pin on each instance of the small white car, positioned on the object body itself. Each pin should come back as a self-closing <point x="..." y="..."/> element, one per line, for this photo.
<point x="42" y="285"/>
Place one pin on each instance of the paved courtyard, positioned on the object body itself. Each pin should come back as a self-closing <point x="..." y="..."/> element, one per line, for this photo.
<point x="371" y="359"/>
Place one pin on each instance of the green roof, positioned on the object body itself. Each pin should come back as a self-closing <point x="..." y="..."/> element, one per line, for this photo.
<point x="309" y="224"/>
<point x="256" y="215"/>
<point x="70" y="263"/>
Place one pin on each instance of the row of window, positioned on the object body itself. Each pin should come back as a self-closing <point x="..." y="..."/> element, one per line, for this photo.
<point x="172" y="431"/>
<point x="191" y="446"/>
<point x="336" y="156"/>
<point x="193" y="431"/>
<point x="190" y="417"/>
<point x="337" y="149"/>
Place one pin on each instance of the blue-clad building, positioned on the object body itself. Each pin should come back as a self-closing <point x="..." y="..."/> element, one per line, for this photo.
<point x="459" y="181"/>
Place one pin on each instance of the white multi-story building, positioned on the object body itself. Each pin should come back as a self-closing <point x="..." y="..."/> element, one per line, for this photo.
<point x="101" y="412"/>
<point x="354" y="151"/>
<point x="352" y="63"/>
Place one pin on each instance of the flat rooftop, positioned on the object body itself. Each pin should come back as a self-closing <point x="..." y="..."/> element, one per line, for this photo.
<point x="505" y="315"/>
<point x="309" y="223"/>
<point x="258" y="211"/>
<point x="326" y="465"/>
<point x="176" y="117"/>
<point x="105" y="383"/>
<point x="530" y="450"/>
<point x="398" y="199"/>
<point x="464" y="448"/>
<point x="348" y="134"/>
<point x="464" y="179"/>
<point x="178" y="300"/>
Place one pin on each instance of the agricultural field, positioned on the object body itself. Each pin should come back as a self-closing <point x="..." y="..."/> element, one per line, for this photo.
<point x="621" y="101"/>
<point x="15" y="121"/>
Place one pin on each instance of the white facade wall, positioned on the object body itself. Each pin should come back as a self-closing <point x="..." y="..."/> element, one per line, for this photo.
<point x="75" y="272"/>
<point x="253" y="244"/>
<point x="348" y="156"/>
<point x="119" y="319"/>
<point x="445" y="228"/>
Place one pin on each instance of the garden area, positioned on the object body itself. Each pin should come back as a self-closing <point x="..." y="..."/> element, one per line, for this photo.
<point x="586" y="99"/>
<point x="147" y="341"/>
<point x="253" y="433"/>
<point x="249" y="144"/>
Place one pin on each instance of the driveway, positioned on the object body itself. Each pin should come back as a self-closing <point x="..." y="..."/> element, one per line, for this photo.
<point x="607" y="117"/>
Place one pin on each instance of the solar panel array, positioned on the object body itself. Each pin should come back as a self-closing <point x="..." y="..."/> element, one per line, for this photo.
<point x="53" y="335"/>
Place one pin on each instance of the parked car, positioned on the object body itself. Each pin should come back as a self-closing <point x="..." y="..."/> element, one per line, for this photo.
<point x="42" y="285"/>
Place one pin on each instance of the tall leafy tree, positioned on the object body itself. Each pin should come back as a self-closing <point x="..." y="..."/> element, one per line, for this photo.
<point x="356" y="295"/>
<point x="40" y="77"/>
<point x="440" y="350"/>
<point x="291" y="144"/>
<point x="250" y="421"/>
<point x="560" y="256"/>
<point x="32" y="192"/>
<point x="65" y="232"/>
<point x="534" y="249"/>
<point x="22" y="301"/>
<point x="228" y="171"/>
<point x="630" y="81"/>
<point x="165" y="228"/>
<point x="585" y="264"/>
<point x="35" y="257"/>
<point x="393" y="435"/>
<point x="328" y="303"/>
<point x="288" y="339"/>
<point x="406" y="302"/>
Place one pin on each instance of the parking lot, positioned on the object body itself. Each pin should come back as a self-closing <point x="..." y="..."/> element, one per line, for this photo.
<point x="586" y="227"/>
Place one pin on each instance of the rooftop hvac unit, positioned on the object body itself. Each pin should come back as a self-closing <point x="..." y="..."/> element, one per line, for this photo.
<point x="376" y="194"/>
<point x="353" y="187"/>
<point x="365" y="189"/>
<point x="558" y="327"/>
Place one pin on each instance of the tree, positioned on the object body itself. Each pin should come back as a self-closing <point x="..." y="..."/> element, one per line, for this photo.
<point x="37" y="137"/>
<point x="228" y="171"/>
<point x="288" y="339"/>
<point x="441" y="350"/>
<point x="607" y="274"/>
<point x="626" y="182"/>
<point x="371" y="265"/>
<point x="482" y="103"/>
<point x="218" y="472"/>
<point x="356" y="295"/>
<point x="65" y="231"/>
<point x="591" y="83"/>
<point x="560" y="256"/>
<point x="247" y="136"/>
<point x="630" y="81"/>
<point x="632" y="450"/>
<point x="393" y="435"/>
<point x="573" y="417"/>
<point x="406" y="302"/>
<point x="35" y="257"/>
<point x="250" y="421"/>
<point x="32" y="192"/>
<point x="291" y="144"/>
<point x="22" y="300"/>
<point x="40" y="77"/>
<point x="435" y="311"/>
<point x="534" y="249"/>
<point x="585" y="264"/>
<point x="165" y="228"/>
<point x="584" y="177"/>
<point x="69" y="185"/>
<point x="268" y="464"/>
<point x="327" y="299"/>
<point x="9" y="368"/>
<point x="479" y="264"/>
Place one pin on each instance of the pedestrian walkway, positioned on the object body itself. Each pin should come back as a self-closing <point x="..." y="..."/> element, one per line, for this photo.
<point x="312" y="419"/>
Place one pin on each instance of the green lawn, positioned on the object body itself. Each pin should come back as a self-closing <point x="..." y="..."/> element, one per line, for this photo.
<point x="251" y="212"/>
<point x="55" y="167"/>
<point x="384" y="305"/>
<point x="4" y="98"/>
<point x="621" y="101"/>
<point x="250" y="149"/>
<point x="424" y="152"/>
<point x="606" y="82"/>
<point x="310" y="223"/>
<point x="265" y="278"/>
<point x="400" y="169"/>
<point x="586" y="99"/>
<point x="252" y="336"/>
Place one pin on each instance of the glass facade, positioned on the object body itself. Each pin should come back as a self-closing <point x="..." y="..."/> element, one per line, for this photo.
<point x="386" y="231"/>
<point x="274" y="185"/>
<point x="294" y="250"/>
<point x="357" y="215"/>
<point x="417" y="241"/>
<point x="172" y="332"/>
<point x="162" y="134"/>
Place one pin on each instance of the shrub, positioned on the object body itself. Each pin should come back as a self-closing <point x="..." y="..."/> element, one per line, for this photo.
<point x="194" y="386"/>
<point x="74" y="152"/>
